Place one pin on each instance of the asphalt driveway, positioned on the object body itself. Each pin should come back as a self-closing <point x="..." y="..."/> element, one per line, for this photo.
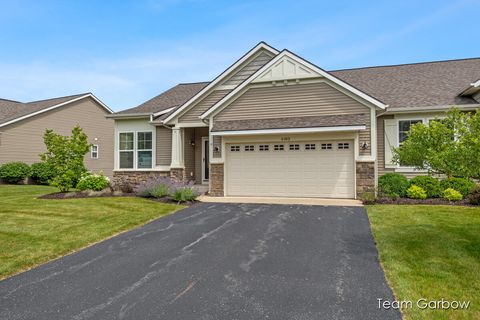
<point x="215" y="261"/>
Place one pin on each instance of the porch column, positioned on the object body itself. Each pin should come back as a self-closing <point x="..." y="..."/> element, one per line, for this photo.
<point x="177" y="148"/>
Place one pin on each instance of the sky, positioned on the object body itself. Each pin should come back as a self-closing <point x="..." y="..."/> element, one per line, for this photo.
<point x="126" y="52"/>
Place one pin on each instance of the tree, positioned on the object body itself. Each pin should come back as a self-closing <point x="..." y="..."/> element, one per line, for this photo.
<point x="65" y="154"/>
<point x="449" y="146"/>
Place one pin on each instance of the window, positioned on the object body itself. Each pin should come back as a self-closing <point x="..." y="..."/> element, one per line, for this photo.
<point x="135" y="150"/>
<point x="94" y="151"/>
<point x="310" y="146"/>
<point x="278" y="147"/>
<point x="404" y="127"/>
<point x="343" y="145"/>
<point x="263" y="147"/>
<point x="126" y="150"/>
<point x="144" y="150"/>
<point x="234" y="148"/>
<point x="249" y="148"/>
<point x="326" y="146"/>
<point x="294" y="147"/>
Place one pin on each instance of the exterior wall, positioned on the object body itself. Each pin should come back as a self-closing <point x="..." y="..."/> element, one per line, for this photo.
<point x="189" y="153"/>
<point x="193" y="114"/>
<point x="199" y="133"/>
<point x="23" y="141"/>
<point x="381" y="145"/>
<point x="216" y="179"/>
<point x="163" y="146"/>
<point x="126" y="180"/>
<point x="365" y="177"/>
<point x="250" y="68"/>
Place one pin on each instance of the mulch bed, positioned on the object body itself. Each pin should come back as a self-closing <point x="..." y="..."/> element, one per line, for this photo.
<point x="431" y="201"/>
<point x="86" y="194"/>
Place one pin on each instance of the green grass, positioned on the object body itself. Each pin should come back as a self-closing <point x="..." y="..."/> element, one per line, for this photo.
<point x="430" y="252"/>
<point x="34" y="231"/>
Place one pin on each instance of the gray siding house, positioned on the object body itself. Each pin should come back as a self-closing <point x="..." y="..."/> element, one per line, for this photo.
<point x="275" y="124"/>
<point x="22" y="126"/>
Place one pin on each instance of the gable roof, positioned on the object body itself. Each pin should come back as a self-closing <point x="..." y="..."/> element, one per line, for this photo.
<point x="13" y="111"/>
<point x="418" y="84"/>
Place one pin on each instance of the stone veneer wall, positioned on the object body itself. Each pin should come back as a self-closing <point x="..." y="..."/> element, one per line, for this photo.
<point x="177" y="174"/>
<point x="216" y="180"/>
<point x="365" y="177"/>
<point x="129" y="179"/>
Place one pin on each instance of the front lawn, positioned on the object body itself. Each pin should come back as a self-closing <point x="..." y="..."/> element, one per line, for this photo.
<point x="33" y="231"/>
<point x="430" y="252"/>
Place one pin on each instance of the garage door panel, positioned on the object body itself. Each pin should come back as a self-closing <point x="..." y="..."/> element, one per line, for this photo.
<point x="295" y="173"/>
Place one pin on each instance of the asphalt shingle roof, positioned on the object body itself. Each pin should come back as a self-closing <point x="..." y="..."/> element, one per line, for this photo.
<point x="409" y="85"/>
<point x="11" y="110"/>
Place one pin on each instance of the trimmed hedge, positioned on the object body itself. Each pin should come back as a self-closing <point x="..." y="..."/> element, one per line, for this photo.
<point x="393" y="184"/>
<point x="429" y="184"/>
<point x="42" y="172"/>
<point x="14" y="172"/>
<point x="462" y="185"/>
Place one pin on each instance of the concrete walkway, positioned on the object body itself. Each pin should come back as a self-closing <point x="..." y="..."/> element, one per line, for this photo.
<point x="278" y="200"/>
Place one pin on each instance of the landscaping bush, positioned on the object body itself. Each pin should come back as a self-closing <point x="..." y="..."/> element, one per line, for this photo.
<point x="157" y="187"/>
<point x="429" y="184"/>
<point x="474" y="197"/>
<point x="416" y="192"/>
<point x="452" y="195"/>
<point x="42" y="172"/>
<point x="95" y="182"/>
<point x="464" y="186"/>
<point x="368" y="197"/>
<point x="393" y="185"/>
<point x="14" y="172"/>
<point x="184" y="194"/>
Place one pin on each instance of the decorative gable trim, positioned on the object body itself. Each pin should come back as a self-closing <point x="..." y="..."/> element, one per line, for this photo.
<point x="293" y="63"/>
<point x="221" y="78"/>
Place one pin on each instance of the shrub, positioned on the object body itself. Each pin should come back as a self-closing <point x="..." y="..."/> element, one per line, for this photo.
<point x="464" y="186"/>
<point x="157" y="187"/>
<point x="95" y="182"/>
<point x="474" y="197"/>
<point x="416" y="192"/>
<point x="14" y="172"/>
<point x="184" y="194"/>
<point x="452" y="195"/>
<point x="368" y="197"/>
<point x="429" y="184"/>
<point x="42" y="172"/>
<point x="393" y="184"/>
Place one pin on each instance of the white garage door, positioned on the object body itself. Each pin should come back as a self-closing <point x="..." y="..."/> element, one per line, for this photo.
<point x="293" y="169"/>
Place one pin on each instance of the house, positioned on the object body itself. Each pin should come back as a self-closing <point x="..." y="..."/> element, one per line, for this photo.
<point x="275" y="124"/>
<point x="22" y="126"/>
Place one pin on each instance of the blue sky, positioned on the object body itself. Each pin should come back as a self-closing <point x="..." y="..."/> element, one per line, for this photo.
<point x="126" y="52"/>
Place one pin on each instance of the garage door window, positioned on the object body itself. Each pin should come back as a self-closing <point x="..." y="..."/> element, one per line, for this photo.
<point x="343" y="146"/>
<point x="294" y="147"/>
<point x="326" y="146"/>
<point x="249" y="148"/>
<point x="263" y="147"/>
<point x="310" y="146"/>
<point x="279" y="147"/>
<point x="234" y="148"/>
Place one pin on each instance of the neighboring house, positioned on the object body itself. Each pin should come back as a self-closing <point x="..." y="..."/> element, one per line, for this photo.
<point x="22" y="126"/>
<point x="274" y="124"/>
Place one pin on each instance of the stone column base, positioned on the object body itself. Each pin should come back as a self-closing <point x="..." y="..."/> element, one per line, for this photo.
<point x="216" y="180"/>
<point x="127" y="180"/>
<point x="177" y="174"/>
<point x="365" y="174"/>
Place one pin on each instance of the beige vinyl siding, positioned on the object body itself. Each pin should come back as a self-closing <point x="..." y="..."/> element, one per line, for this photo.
<point x="313" y="99"/>
<point x="217" y="143"/>
<point x="23" y="141"/>
<point x="250" y="68"/>
<point x="364" y="135"/>
<point x="381" y="145"/>
<point x="193" y="114"/>
<point x="164" y="146"/>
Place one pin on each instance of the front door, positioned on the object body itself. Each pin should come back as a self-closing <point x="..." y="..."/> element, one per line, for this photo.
<point x="205" y="160"/>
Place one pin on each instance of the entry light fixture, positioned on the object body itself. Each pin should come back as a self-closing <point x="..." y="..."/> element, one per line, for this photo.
<point x="365" y="146"/>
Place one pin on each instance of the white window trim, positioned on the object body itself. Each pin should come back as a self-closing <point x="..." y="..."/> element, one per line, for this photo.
<point x="97" y="152"/>
<point x="135" y="151"/>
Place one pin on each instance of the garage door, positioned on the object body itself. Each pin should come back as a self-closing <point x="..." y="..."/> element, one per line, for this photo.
<point x="293" y="169"/>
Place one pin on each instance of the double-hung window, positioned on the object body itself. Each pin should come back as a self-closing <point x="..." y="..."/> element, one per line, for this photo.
<point x="404" y="127"/>
<point x="94" y="151"/>
<point x="135" y="150"/>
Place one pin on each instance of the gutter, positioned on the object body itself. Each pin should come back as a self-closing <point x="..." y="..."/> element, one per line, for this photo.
<point x="128" y="115"/>
<point x="394" y="110"/>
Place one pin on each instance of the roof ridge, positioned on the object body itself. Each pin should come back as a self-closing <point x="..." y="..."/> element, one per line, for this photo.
<point x="68" y="96"/>
<point x="406" y="64"/>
